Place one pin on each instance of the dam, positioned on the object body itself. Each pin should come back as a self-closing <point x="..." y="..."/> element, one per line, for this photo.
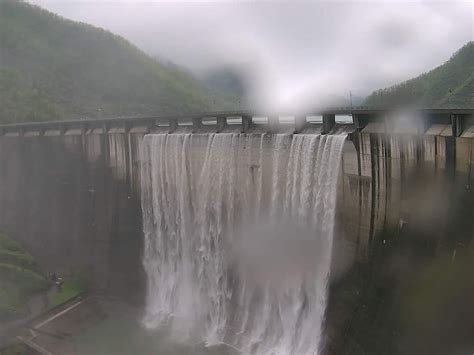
<point x="73" y="193"/>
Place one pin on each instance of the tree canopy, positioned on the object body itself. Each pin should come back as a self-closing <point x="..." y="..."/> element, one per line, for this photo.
<point x="53" y="68"/>
<point x="449" y="85"/>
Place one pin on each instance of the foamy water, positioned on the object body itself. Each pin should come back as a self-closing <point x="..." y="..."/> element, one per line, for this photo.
<point x="238" y="238"/>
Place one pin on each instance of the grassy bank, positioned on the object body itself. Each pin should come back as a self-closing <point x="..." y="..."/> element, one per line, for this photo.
<point x="72" y="286"/>
<point x="20" y="279"/>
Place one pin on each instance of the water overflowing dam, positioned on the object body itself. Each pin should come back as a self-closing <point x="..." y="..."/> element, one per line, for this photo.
<point x="238" y="237"/>
<point x="399" y="209"/>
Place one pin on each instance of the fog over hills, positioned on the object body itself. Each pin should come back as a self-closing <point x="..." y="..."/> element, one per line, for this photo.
<point x="449" y="85"/>
<point x="53" y="68"/>
<point x="299" y="53"/>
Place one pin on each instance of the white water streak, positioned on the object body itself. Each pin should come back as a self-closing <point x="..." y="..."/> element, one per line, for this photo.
<point x="238" y="237"/>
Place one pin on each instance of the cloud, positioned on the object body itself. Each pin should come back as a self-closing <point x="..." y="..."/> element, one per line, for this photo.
<point x="301" y="50"/>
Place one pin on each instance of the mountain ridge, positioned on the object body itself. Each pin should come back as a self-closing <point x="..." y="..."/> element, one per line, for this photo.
<point x="54" y="68"/>
<point x="448" y="85"/>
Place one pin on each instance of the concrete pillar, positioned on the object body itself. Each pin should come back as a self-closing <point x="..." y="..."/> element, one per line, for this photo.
<point x="328" y="123"/>
<point x="360" y="121"/>
<point x="273" y="124"/>
<point x="246" y="123"/>
<point x="173" y="125"/>
<point x="105" y="148"/>
<point x="457" y="125"/>
<point x="197" y="122"/>
<point x="150" y="125"/>
<point x="128" y="157"/>
<point x="83" y="139"/>
<point x="221" y="124"/>
<point x="300" y="123"/>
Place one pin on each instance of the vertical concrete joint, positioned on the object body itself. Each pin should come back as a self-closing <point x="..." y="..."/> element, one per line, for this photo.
<point x="83" y="138"/>
<point x="221" y="123"/>
<point x="456" y="124"/>
<point x="197" y="122"/>
<point x="356" y="120"/>
<point x="127" y="127"/>
<point x="173" y="125"/>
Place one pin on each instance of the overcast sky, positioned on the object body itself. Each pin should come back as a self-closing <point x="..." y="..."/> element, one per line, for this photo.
<point x="299" y="49"/>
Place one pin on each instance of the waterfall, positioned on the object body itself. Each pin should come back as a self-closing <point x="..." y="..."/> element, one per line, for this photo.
<point x="238" y="237"/>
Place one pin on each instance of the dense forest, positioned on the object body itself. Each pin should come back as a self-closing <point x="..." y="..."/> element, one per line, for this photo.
<point x="449" y="85"/>
<point x="53" y="68"/>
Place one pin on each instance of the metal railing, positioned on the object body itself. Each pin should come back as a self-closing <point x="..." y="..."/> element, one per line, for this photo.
<point x="222" y="119"/>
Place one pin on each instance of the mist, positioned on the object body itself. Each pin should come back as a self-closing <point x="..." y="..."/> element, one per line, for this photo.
<point x="296" y="53"/>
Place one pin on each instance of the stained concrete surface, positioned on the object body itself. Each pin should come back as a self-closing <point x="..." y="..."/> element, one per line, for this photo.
<point x="73" y="200"/>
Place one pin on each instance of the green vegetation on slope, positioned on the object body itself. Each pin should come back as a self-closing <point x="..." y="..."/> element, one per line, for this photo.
<point x="17" y="349"/>
<point x="449" y="85"/>
<point x="53" y="68"/>
<point x="72" y="286"/>
<point x="19" y="278"/>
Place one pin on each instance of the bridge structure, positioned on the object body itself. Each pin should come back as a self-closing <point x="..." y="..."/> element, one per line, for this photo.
<point x="458" y="120"/>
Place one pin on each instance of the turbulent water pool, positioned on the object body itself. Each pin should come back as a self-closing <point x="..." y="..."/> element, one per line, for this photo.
<point x="117" y="335"/>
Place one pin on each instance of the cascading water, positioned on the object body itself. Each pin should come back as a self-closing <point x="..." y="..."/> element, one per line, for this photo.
<point x="238" y="237"/>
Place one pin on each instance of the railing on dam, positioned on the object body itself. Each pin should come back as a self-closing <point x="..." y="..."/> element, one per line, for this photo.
<point x="459" y="121"/>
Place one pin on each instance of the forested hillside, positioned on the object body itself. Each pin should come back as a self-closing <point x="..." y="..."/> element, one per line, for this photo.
<point x="53" y="68"/>
<point x="449" y="85"/>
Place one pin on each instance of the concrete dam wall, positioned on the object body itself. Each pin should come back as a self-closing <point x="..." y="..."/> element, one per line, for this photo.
<point x="72" y="197"/>
<point x="72" y="201"/>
